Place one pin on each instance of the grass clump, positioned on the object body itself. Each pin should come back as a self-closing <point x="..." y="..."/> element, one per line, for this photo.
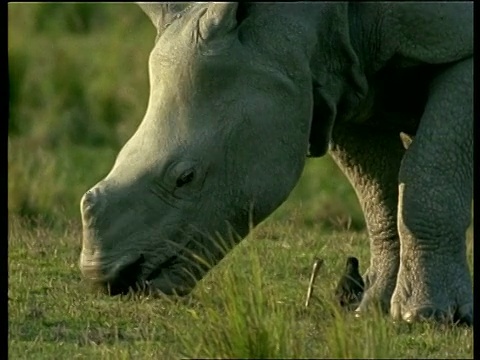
<point x="248" y="322"/>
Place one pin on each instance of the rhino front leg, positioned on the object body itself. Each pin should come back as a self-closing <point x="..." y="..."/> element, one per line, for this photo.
<point x="370" y="158"/>
<point x="435" y="199"/>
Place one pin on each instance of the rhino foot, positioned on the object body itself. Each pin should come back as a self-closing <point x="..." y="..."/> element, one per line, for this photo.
<point x="377" y="296"/>
<point x="443" y="294"/>
<point x="463" y="315"/>
<point x="380" y="280"/>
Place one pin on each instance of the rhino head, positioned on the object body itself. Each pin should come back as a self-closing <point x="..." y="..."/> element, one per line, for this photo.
<point x="222" y="144"/>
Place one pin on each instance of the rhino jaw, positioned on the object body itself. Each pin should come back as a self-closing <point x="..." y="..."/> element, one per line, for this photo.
<point x="114" y="277"/>
<point x="175" y="275"/>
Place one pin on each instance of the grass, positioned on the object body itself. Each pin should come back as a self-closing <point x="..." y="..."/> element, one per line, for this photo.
<point x="78" y="89"/>
<point x="243" y="308"/>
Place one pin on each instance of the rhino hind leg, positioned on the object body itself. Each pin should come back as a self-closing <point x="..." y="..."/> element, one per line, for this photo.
<point x="370" y="157"/>
<point x="435" y="198"/>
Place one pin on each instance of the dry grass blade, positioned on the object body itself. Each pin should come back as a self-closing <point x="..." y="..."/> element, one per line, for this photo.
<point x="317" y="264"/>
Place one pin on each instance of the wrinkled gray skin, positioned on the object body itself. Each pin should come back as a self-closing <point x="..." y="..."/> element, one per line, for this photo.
<point x="239" y="94"/>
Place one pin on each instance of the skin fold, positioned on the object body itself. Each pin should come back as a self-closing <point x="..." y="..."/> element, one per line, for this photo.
<point x="242" y="93"/>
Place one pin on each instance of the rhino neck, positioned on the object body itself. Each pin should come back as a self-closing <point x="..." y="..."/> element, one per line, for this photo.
<point x="320" y="46"/>
<point x="337" y="66"/>
<point x="317" y="42"/>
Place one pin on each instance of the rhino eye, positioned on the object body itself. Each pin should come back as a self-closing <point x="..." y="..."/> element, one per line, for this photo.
<point x="185" y="178"/>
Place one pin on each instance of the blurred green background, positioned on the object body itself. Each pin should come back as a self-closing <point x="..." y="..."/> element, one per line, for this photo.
<point x="78" y="88"/>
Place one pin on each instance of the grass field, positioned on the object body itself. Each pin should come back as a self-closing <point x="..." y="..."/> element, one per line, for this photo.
<point x="78" y="89"/>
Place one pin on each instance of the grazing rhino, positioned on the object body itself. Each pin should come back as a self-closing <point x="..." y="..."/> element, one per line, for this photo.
<point x="241" y="94"/>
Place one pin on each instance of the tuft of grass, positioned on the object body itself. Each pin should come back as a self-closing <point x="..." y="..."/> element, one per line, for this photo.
<point x="374" y="343"/>
<point x="249" y="322"/>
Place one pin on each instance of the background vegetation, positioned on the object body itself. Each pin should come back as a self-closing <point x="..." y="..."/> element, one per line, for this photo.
<point x="78" y="89"/>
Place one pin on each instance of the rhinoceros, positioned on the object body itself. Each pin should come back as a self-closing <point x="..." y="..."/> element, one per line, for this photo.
<point x="242" y="93"/>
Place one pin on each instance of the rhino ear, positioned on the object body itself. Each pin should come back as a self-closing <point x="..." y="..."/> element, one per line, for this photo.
<point x="219" y="18"/>
<point x="162" y="14"/>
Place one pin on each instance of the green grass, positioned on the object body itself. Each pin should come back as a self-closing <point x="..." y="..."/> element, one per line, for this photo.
<point x="78" y="89"/>
<point x="250" y="306"/>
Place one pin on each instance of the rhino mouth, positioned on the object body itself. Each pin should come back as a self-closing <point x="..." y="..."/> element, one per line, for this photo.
<point x="175" y="275"/>
<point x="157" y="271"/>
<point x="125" y="279"/>
<point x="170" y="277"/>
